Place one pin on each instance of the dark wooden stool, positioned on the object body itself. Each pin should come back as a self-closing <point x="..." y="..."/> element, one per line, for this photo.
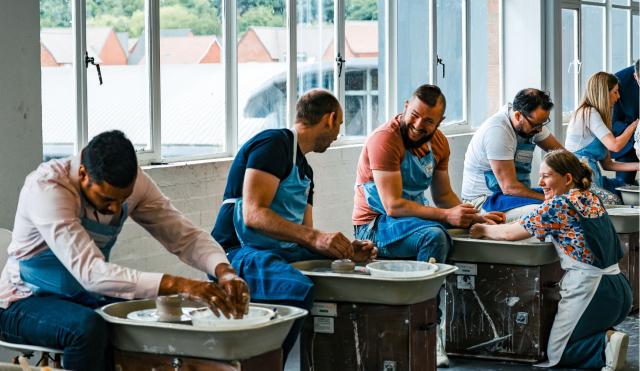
<point x="501" y="311"/>
<point x="629" y="263"/>
<point x="131" y="361"/>
<point x="349" y="336"/>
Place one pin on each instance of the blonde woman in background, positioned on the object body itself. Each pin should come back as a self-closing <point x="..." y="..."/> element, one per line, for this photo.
<point x="595" y="295"/>
<point x="589" y="133"/>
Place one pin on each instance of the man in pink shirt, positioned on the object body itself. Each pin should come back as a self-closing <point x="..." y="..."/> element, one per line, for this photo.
<point x="69" y="215"/>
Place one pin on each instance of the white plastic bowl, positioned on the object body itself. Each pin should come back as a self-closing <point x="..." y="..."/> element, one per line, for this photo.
<point x="630" y="194"/>
<point x="401" y="269"/>
<point x="204" y="317"/>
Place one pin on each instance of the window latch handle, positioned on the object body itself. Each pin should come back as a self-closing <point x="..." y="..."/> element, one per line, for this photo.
<point x="90" y="60"/>
<point x="441" y="62"/>
<point x="340" y="61"/>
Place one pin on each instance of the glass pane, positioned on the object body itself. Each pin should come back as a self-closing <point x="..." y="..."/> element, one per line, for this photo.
<point x="635" y="19"/>
<point x="193" y="79"/>
<point x="414" y="52"/>
<point x="315" y="45"/>
<point x="484" y="57"/>
<point x="593" y="35"/>
<point x="362" y="45"/>
<point x="262" y="78"/>
<point x="449" y="76"/>
<point x="620" y="2"/>
<point x="620" y="42"/>
<point x="115" y="29"/>
<point x="59" y="125"/>
<point x="355" y="115"/>
<point x="569" y="61"/>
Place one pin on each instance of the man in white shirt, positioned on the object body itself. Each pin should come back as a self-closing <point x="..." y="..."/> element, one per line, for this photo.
<point x="69" y="215"/>
<point x="497" y="164"/>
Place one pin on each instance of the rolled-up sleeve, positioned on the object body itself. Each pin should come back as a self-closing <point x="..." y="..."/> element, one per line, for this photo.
<point x="155" y="213"/>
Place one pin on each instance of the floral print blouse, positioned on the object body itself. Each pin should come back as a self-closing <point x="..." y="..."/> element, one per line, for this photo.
<point x="557" y="219"/>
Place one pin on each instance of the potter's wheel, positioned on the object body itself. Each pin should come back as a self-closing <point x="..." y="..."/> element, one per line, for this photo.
<point x="151" y="315"/>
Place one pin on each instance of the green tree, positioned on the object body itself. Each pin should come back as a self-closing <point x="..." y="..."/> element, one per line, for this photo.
<point x="278" y="6"/>
<point x="362" y="10"/>
<point x="55" y="13"/>
<point x="259" y="16"/>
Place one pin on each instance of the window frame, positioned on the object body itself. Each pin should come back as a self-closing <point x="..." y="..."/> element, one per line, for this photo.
<point x="228" y="13"/>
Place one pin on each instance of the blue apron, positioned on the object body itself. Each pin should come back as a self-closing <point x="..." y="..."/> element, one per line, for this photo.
<point x="262" y="261"/>
<point x="594" y="153"/>
<point x="416" y="174"/>
<point x="498" y="201"/>
<point x="44" y="274"/>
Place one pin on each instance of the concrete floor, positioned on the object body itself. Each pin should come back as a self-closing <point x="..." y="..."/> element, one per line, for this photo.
<point x="630" y="326"/>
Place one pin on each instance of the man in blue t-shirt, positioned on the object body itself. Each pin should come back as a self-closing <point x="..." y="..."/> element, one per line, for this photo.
<point x="625" y="111"/>
<point x="266" y="220"/>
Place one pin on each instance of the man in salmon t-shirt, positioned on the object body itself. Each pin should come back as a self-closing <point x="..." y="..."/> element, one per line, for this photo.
<point x="399" y="162"/>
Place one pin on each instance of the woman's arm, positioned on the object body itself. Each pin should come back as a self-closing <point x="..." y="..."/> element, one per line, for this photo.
<point x="610" y="165"/>
<point x="507" y="232"/>
<point x="614" y="144"/>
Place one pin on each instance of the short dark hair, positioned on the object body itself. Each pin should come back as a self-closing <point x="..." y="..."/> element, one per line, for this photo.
<point x="636" y="67"/>
<point x="314" y="104"/>
<point x="528" y="100"/>
<point x="429" y="95"/>
<point x="110" y="157"/>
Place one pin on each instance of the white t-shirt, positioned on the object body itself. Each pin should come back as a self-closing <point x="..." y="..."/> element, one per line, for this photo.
<point x="494" y="140"/>
<point x="580" y="135"/>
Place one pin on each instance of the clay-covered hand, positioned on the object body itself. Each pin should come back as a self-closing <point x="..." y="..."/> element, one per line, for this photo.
<point x="334" y="245"/>
<point x="461" y="216"/>
<point x="364" y="250"/>
<point x="235" y="287"/>
<point x="494" y="217"/>
<point x="206" y="292"/>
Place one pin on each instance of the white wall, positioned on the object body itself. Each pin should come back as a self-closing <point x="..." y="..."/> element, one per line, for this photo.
<point x="20" y="106"/>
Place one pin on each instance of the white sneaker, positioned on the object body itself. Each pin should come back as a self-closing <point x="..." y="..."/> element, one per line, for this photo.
<point x="441" y="355"/>
<point x="616" y="351"/>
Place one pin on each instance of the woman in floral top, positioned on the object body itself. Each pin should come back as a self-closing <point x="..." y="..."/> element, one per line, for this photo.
<point x="595" y="295"/>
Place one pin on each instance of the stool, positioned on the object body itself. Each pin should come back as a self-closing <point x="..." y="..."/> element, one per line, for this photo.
<point x="27" y="351"/>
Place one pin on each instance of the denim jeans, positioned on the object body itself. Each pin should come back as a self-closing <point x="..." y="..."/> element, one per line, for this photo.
<point x="424" y="243"/>
<point x="53" y="322"/>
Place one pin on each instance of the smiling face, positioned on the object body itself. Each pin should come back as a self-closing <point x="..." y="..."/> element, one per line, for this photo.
<point x="553" y="183"/>
<point x="420" y="121"/>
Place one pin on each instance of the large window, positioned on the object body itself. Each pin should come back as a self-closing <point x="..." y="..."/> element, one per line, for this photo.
<point x="191" y="79"/>
<point x="458" y="50"/>
<point x="596" y="36"/>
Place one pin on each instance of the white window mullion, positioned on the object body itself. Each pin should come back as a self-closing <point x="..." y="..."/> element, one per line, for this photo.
<point x="339" y="50"/>
<point x="152" y="49"/>
<point x="433" y="42"/>
<point x="231" y="75"/>
<point x="465" y="56"/>
<point x="390" y="58"/>
<point x="608" y="42"/>
<point x="292" y="62"/>
<point x="80" y="46"/>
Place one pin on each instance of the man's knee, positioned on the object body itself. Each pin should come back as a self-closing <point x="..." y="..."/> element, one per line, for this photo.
<point x="436" y="242"/>
<point x="91" y="330"/>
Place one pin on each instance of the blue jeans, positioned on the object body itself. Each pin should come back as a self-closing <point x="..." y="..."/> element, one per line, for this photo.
<point x="53" y="322"/>
<point x="422" y="244"/>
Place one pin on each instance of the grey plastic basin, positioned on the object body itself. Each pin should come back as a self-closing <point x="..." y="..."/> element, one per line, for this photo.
<point x="362" y="288"/>
<point x="529" y="252"/>
<point x="186" y="340"/>
<point x="630" y="194"/>
<point x="625" y="218"/>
